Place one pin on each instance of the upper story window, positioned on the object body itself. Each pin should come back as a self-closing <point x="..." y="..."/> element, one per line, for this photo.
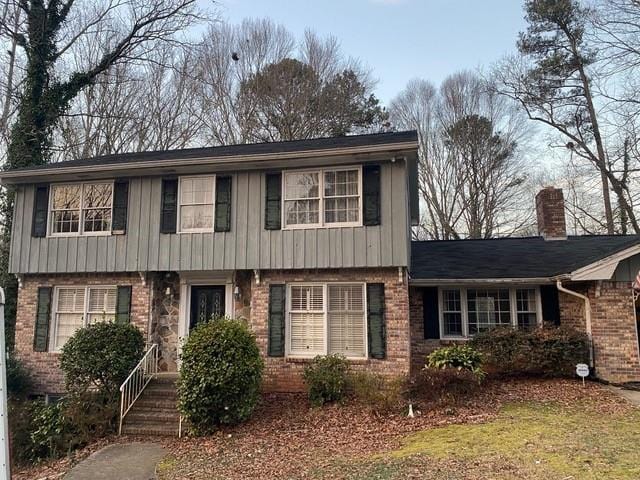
<point x="467" y="311"/>
<point x="81" y="208"/>
<point x="196" y="203"/>
<point x="327" y="197"/>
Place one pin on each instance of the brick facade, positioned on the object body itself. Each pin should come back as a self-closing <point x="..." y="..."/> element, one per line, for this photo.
<point x="44" y="366"/>
<point x="282" y="374"/>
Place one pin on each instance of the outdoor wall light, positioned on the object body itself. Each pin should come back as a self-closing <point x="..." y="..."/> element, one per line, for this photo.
<point x="236" y="293"/>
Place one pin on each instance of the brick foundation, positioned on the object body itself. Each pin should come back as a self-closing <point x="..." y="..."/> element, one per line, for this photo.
<point x="44" y="366"/>
<point x="282" y="374"/>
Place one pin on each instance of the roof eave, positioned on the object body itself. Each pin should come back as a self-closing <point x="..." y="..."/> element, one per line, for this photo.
<point x="432" y="282"/>
<point x="604" y="268"/>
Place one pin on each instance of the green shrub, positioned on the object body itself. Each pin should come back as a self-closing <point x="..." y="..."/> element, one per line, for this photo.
<point x="462" y="357"/>
<point x="40" y="432"/>
<point x="18" y="378"/>
<point x="100" y="357"/>
<point x="220" y="375"/>
<point x="376" y="392"/>
<point x="438" y="386"/>
<point x="326" y="379"/>
<point x="92" y="414"/>
<point x="550" y="351"/>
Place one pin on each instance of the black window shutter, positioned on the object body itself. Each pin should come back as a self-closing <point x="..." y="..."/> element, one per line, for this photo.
<point x="272" y="214"/>
<point x="550" y="304"/>
<point x="43" y="316"/>
<point x="223" y="204"/>
<point x="277" y="297"/>
<point x="375" y="320"/>
<point x="123" y="304"/>
<point x="431" y="313"/>
<point x="120" y="206"/>
<point x="169" y="211"/>
<point x="40" y="211"/>
<point x="371" y="194"/>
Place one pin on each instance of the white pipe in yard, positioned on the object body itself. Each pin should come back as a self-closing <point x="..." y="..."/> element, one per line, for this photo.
<point x="587" y="315"/>
<point x="5" y="460"/>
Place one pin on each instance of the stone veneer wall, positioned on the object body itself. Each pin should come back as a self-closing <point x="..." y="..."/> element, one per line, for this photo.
<point x="165" y="319"/>
<point x="44" y="366"/>
<point x="613" y="327"/>
<point x="284" y="375"/>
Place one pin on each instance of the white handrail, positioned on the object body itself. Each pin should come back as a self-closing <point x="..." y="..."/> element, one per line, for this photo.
<point x="138" y="379"/>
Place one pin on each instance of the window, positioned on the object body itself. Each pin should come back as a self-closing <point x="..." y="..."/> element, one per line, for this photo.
<point x="76" y="307"/>
<point x="322" y="198"/>
<point x="81" y="209"/>
<point x="327" y="319"/>
<point x="467" y="311"/>
<point x="196" y="203"/>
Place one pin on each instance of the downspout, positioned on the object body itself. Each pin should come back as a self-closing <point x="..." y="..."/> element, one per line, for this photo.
<point x="587" y="315"/>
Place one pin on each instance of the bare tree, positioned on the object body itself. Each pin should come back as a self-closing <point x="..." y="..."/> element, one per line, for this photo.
<point x="472" y="179"/>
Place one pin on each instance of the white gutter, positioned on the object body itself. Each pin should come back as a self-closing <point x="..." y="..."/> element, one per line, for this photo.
<point x="587" y="315"/>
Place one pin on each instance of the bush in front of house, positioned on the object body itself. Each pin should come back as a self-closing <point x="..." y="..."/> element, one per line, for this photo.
<point x="461" y="357"/>
<point x="326" y="378"/>
<point x="18" y="378"/>
<point x="220" y="375"/>
<point x="380" y="394"/>
<point x="99" y="358"/>
<point x="442" y="386"/>
<point x="549" y="351"/>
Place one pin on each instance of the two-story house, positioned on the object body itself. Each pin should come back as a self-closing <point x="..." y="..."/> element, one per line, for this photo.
<point x="310" y="242"/>
<point x="307" y="240"/>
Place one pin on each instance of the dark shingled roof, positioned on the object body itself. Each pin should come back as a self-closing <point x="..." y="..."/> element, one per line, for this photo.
<point x="531" y="257"/>
<point x="242" y="149"/>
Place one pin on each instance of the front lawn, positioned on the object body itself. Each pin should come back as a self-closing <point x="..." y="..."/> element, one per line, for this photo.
<point x="533" y="429"/>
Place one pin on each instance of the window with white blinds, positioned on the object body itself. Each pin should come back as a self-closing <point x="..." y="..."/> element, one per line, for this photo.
<point x="76" y="307"/>
<point x="327" y="318"/>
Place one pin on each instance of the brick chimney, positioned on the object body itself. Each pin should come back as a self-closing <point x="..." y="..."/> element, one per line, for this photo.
<point x="550" y="210"/>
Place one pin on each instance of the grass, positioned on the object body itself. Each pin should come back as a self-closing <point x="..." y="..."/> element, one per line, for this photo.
<point x="526" y="440"/>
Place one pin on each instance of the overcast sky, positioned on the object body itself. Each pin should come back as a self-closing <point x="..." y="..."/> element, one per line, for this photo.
<point x="400" y="39"/>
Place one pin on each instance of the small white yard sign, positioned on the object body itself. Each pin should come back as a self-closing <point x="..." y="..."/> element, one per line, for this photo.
<point x="582" y="370"/>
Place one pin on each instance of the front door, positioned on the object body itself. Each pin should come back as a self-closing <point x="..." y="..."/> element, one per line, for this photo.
<point x="207" y="301"/>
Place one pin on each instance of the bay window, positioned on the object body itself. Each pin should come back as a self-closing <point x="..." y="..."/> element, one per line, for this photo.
<point x="327" y="319"/>
<point x="81" y="208"/>
<point x="329" y="197"/>
<point x="77" y="307"/>
<point x="465" y="312"/>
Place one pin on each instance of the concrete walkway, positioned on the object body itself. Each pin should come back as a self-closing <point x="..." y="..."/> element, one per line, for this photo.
<point x="632" y="396"/>
<point x="126" y="461"/>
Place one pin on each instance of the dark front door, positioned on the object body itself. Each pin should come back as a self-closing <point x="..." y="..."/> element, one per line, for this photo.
<point x="206" y="302"/>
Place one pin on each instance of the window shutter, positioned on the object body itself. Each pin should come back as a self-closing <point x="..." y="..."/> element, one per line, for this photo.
<point x="376" y="324"/>
<point x="371" y="194"/>
<point x="40" y="211"/>
<point x="43" y="316"/>
<point x="273" y="202"/>
<point x="550" y="304"/>
<point x="277" y="297"/>
<point x="123" y="304"/>
<point x="169" y="212"/>
<point x="223" y="204"/>
<point x="431" y="313"/>
<point x="120" y="205"/>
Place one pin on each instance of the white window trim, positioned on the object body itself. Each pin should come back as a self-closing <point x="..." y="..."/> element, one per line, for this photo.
<point x="80" y="232"/>
<point x="321" y="199"/>
<point x="213" y="206"/>
<point x="53" y="321"/>
<point x="465" y="311"/>
<point x="325" y="304"/>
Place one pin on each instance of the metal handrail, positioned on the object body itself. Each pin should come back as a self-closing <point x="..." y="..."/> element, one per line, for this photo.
<point x="136" y="382"/>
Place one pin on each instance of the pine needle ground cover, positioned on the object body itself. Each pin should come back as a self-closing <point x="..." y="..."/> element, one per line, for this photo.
<point x="518" y="429"/>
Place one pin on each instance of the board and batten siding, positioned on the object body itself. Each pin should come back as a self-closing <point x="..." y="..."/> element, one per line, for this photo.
<point x="247" y="246"/>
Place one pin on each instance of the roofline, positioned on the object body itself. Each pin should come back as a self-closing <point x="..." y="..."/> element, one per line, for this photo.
<point x="9" y="177"/>
<point x="430" y="282"/>
<point x="604" y="268"/>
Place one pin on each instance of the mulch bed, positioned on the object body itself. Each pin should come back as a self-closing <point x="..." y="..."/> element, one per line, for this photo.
<point x="288" y="438"/>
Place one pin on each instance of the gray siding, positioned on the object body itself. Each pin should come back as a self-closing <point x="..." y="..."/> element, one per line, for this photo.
<point x="627" y="269"/>
<point x="247" y="246"/>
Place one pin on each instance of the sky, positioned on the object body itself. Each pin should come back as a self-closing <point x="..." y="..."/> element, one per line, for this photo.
<point x="400" y="39"/>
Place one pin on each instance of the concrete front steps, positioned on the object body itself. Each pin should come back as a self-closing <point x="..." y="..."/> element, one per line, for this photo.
<point x="155" y="412"/>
